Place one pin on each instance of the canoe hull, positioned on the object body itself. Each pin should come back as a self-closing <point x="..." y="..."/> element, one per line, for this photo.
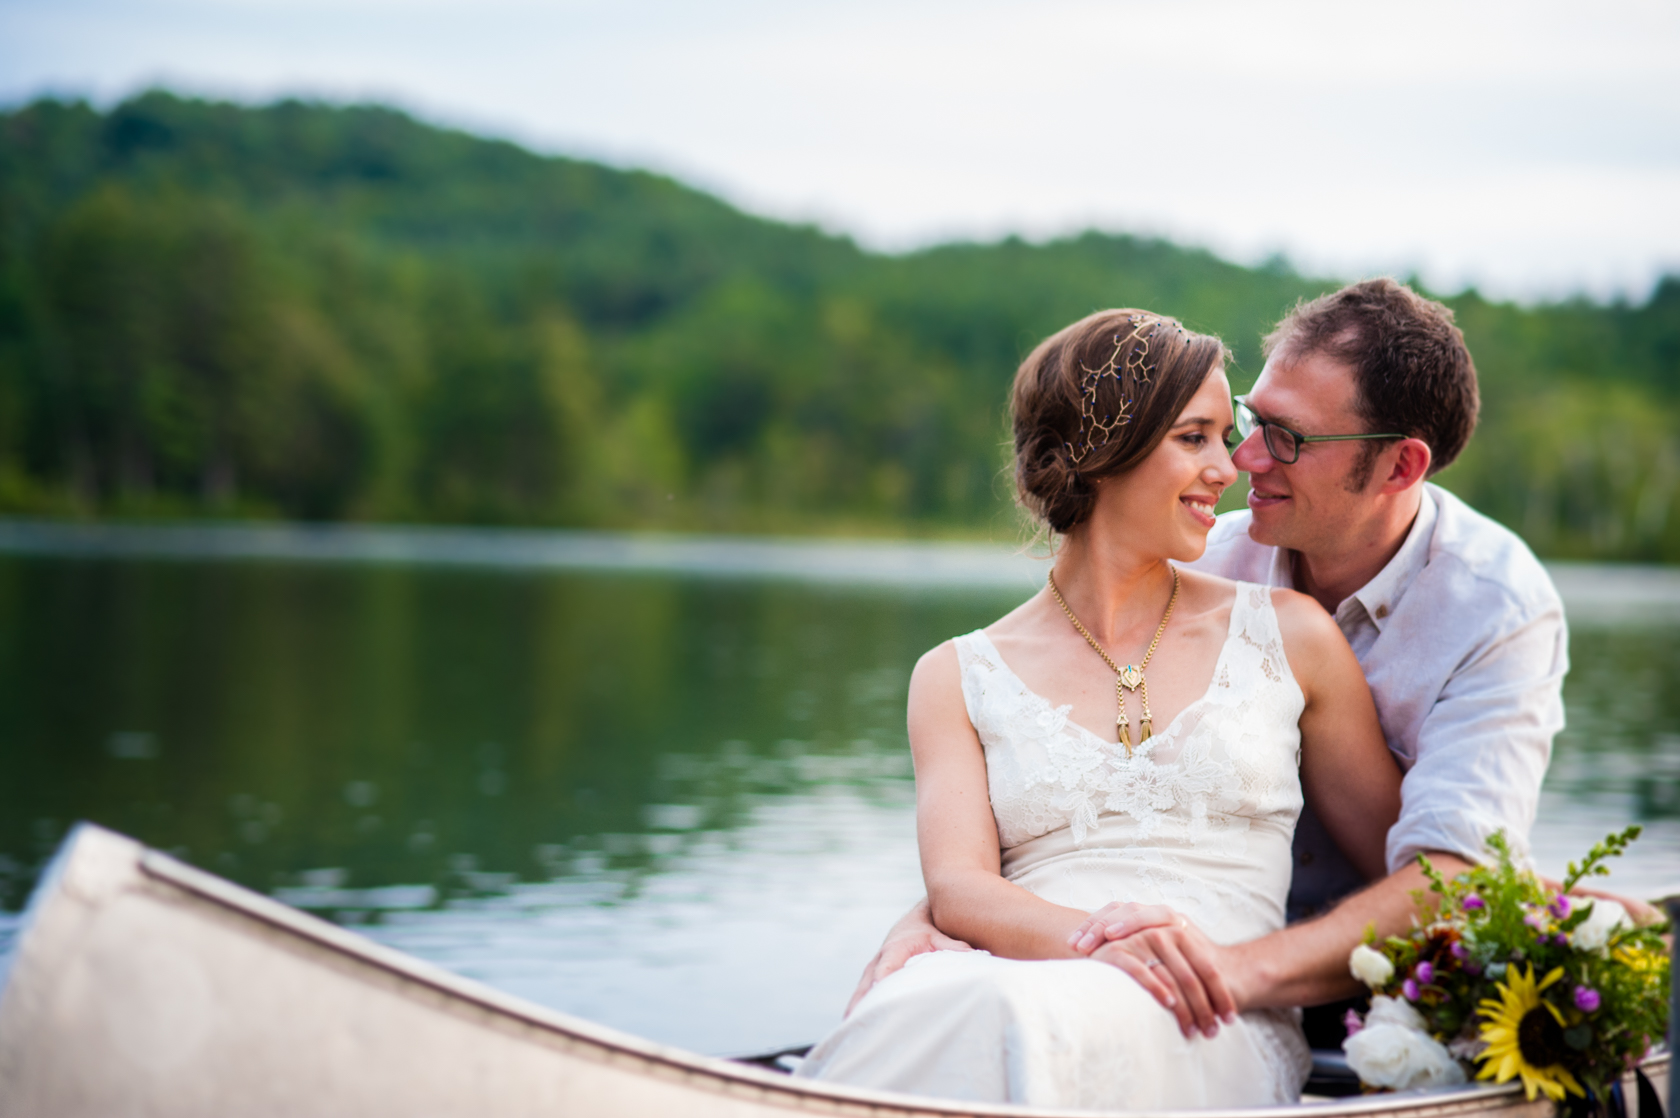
<point x="142" y="986"/>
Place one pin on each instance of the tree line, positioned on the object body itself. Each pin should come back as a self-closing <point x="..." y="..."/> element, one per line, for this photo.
<point x="339" y="313"/>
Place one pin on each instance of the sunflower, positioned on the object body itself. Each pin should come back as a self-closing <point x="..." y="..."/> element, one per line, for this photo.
<point x="1524" y="1035"/>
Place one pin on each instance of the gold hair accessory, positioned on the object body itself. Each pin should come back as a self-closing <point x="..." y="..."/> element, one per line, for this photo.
<point x="1130" y="677"/>
<point x="1128" y="374"/>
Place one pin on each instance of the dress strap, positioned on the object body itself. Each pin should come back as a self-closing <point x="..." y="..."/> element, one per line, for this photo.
<point x="976" y="662"/>
<point x="970" y="647"/>
<point x="1254" y="622"/>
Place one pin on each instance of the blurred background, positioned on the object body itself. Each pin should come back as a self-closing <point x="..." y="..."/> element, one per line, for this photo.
<point x="737" y="269"/>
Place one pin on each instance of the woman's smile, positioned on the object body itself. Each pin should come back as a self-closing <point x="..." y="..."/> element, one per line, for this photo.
<point x="1201" y="508"/>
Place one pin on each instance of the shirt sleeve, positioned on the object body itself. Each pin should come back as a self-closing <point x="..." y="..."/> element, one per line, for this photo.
<point x="1483" y="748"/>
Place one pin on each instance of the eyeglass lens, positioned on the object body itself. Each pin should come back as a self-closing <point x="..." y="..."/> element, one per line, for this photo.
<point x="1280" y="443"/>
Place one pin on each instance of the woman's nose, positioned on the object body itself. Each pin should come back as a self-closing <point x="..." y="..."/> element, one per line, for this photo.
<point x="1222" y="473"/>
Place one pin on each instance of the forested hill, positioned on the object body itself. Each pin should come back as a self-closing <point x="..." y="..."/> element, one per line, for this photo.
<point x="340" y="313"/>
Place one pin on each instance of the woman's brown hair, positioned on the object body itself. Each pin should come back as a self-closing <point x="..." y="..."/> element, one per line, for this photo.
<point x="1094" y="399"/>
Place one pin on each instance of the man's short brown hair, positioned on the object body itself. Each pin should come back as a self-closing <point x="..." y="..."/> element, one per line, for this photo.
<point x="1412" y="371"/>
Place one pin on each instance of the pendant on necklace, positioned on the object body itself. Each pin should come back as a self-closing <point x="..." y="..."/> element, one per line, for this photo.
<point x="1122" y="724"/>
<point x="1131" y="675"/>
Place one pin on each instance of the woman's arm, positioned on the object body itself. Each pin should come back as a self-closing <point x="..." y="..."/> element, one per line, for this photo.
<point x="957" y="833"/>
<point x="962" y="865"/>
<point x="1348" y="775"/>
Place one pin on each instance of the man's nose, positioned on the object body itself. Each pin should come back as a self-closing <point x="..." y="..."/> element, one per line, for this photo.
<point x="1251" y="455"/>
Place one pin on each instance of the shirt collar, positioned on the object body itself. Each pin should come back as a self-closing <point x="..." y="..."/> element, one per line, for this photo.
<point x="1382" y="594"/>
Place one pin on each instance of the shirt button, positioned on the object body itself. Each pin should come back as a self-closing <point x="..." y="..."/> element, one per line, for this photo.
<point x="1382" y="612"/>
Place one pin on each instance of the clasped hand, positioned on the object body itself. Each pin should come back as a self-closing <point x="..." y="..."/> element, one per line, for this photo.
<point x="1168" y="956"/>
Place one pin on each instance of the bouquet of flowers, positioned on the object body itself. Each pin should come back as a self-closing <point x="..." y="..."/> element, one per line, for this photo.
<point x="1509" y="979"/>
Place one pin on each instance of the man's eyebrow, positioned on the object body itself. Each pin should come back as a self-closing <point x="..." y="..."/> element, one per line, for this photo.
<point x="1280" y="420"/>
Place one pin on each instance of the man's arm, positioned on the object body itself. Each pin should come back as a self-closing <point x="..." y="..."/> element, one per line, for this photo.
<point x="1481" y="752"/>
<point x="1307" y="963"/>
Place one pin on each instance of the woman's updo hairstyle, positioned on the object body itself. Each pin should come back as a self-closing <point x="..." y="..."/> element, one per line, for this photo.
<point x="1094" y="399"/>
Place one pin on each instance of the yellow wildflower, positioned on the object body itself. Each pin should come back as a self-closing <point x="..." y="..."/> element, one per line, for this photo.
<point x="1524" y="1036"/>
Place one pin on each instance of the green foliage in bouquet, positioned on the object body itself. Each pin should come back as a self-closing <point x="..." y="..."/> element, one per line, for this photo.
<point x="1516" y="980"/>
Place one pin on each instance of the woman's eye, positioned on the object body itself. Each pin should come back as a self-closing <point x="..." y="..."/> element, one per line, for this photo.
<point x="1196" y="440"/>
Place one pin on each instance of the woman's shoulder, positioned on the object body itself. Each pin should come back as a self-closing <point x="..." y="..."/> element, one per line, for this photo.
<point x="1301" y="615"/>
<point x="1209" y="598"/>
<point x="1310" y="635"/>
<point x="946" y="661"/>
<point x="1296" y="612"/>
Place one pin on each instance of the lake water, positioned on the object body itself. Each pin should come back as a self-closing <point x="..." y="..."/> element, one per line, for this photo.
<point x="663" y="784"/>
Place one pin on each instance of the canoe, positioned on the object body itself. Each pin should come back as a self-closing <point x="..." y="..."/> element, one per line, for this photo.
<point x="143" y="986"/>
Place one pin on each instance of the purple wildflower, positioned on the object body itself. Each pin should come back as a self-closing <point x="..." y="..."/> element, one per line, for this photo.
<point x="1425" y="973"/>
<point x="1586" y="999"/>
<point x="1560" y="906"/>
<point x="1473" y="902"/>
<point x="1352" y="1022"/>
<point x="1458" y="951"/>
<point x="1535" y="920"/>
<point x="1472" y="970"/>
<point x="1410" y="989"/>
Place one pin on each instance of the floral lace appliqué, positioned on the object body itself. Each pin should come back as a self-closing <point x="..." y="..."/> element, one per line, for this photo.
<point x="1229" y="758"/>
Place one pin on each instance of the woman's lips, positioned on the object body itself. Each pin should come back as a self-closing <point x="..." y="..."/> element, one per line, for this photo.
<point x="1199" y="508"/>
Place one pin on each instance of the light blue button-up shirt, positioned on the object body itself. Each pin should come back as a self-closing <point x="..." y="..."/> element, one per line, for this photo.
<point x="1462" y="639"/>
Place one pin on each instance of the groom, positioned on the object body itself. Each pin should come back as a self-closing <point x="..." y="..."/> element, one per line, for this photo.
<point x="1365" y="394"/>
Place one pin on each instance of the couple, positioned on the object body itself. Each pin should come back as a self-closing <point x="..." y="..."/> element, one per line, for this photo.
<point x="1110" y="780"/>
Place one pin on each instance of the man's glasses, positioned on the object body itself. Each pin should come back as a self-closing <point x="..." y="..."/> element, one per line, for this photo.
<point x="1283" y="444"/>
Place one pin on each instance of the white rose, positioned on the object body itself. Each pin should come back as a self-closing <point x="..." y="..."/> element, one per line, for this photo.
<point x="1370" y="966"/>
<point x="1594" y="932"/>
<point x="1394" y="1051"/>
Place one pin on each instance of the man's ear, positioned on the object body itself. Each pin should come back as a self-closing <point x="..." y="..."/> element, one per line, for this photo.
<point x="1408" y="465"/>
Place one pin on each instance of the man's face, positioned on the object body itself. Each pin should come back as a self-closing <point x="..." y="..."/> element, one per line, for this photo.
<point x="1307" y="506"/>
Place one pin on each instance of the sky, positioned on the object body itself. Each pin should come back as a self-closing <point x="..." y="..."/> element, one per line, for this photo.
<point x="1530" y="149"/>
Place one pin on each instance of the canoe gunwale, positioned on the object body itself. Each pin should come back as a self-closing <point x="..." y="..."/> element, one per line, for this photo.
<point x="98" y="867"/>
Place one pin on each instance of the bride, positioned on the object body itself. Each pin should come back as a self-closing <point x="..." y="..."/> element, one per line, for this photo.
<point x="1135" y="733"/>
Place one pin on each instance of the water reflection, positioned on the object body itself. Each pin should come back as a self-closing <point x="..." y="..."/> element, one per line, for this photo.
<point x="677" y="805"/>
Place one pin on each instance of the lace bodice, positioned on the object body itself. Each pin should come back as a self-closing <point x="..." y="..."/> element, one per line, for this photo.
<point x="1200" y="816"/>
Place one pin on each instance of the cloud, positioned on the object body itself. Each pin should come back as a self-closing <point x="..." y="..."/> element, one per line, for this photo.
<point x="1519" y="146"/>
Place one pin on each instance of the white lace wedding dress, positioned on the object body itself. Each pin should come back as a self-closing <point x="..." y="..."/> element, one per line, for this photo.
<point x="1200" y="818"/>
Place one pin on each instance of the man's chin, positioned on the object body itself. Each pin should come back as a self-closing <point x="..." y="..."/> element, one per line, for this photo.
<point x="1268" y="525"/>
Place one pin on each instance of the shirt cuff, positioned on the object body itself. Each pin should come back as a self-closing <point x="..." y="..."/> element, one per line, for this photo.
<point x="1464" y="833"/>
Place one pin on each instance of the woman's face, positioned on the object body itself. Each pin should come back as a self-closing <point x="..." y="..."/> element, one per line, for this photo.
<point x="1164" y="505"/>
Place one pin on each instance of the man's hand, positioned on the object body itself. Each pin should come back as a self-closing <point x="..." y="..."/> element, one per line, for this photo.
<point x="1168" y="956"/>
<point x="913" y="935"/>
<point x="1638" y="911"/>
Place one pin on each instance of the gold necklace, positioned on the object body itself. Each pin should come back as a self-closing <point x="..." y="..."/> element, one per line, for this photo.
<point x="1130" y="677"/>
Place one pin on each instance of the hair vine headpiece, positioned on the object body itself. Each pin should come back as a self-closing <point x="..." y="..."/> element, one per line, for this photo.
<point x="1135" y="369"/>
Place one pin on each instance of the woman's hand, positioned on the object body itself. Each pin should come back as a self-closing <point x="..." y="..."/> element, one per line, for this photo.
<point x="1170" y="958"/>
<point x="1118" y="919"/>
